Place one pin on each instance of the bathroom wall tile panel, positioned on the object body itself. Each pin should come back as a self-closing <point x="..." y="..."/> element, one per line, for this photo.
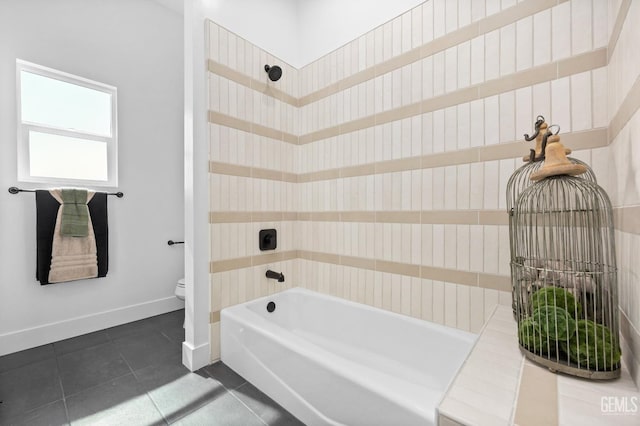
<point x="492" y="53"/>
<point x="542" y="36"/>
<point x="561" y="103"/>
<point x="491" y="249"/>
<point x="524" y="43"/>
<point x="477" y="59"/>
<point x="541" y="95"/>
<point x="450" y="304"/>
<point x="491" y="299"/>
<point x="507" y="49"/>
<point x="492" y="120"/>
<point x="525" y="116"/>
<point x="599" y="22"/>
<point x="561" y="31"/>
<point x="581" y="101"/>
<point x="581" y="26"/>
<point x="507" y="116"/>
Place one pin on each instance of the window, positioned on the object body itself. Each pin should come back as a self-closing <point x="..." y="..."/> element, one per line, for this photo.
<point x="67" y="130"/>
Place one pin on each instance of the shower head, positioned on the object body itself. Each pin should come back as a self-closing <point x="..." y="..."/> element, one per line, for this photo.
<point x="275" y="72"/>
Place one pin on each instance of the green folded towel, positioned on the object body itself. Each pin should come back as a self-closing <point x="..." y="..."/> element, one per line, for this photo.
<point x="75" y="213"/>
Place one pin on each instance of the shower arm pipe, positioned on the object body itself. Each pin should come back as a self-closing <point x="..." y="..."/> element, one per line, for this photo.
<point x="15" y="190"/>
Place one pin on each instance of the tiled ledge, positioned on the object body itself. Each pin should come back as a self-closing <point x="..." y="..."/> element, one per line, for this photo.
<point x="497" y="386"/>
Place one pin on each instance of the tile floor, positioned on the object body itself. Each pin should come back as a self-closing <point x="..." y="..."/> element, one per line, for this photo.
<point x="128" y="375"/>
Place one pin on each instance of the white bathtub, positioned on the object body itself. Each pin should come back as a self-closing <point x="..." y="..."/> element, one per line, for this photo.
<point x="334" y="362"/>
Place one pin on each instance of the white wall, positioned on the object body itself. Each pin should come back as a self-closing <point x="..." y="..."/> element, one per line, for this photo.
<point x="271" y="25"/>
<point x="301" y="31"/>
<point x="326" y="25"/>
<point x="135" y="45"/>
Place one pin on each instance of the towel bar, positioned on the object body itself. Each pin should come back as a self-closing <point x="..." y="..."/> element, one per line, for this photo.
<point x="14" y="190"/>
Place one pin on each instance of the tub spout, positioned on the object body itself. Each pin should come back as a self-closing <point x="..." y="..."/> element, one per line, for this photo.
<point x="275" y="275"/>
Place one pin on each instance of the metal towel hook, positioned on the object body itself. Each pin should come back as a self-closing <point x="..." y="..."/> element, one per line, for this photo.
<point x="538" y="123"/>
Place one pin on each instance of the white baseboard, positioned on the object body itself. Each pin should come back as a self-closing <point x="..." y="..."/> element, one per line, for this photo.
<point x="47" y="333"/>
<point x="195" y="358"/>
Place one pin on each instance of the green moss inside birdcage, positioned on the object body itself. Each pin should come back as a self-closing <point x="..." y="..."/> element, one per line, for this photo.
<point x="531" y="337"/>
<point x="555" y="296"/>
<point x="592" y="345"/>
<point x="554" y="322"/>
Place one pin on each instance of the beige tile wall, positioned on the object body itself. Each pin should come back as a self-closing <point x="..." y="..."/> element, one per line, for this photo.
<point x="623" y="156"/>
<point x="408" y="138"/>
<point x="384" y="164"/>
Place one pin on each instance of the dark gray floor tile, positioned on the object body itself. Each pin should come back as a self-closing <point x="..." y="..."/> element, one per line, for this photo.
<point x="29" y="387"/>
<point x="49" y="415"/>
<point x="264" y="407"/>
<point x="229" y="378"/>
<point x="173" y="332"/>
<point x="144" y="326"/>
<point x="81" y="342"/>
<point x="19" y="359"/>
<point x="118" y="402"/>
<point x="185" y="394"/>
<point x="162" y="373"/>
<point x="148" y="349"/>
<point x="89" y="367"/>
<point x="169" y="319"/>
<point x="225" y="410"/>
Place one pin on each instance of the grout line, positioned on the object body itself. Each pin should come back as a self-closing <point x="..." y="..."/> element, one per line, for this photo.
<point x="246" y="406"/>
<point x="64" y="397"/>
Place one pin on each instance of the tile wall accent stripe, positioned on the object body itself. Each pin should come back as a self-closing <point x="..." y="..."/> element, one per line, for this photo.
<point x="248" y="261"/>
<point x="391" y="166"/>
<point x="229" y="264"/>
<point x="581" y="63"/>
<point x="220" y="168"/>
<point x="449" y="275"/>
<point x="543" y="73"/>
<point x="472" y="279"/>
<point x="444" y="217"/>
<point x="589" y="139"/>
<point x="494" y="282"/>
<point x="537" y="397"/>
<point x="627" y="219"/>
<point x="230" y="217"/>
<point x="249" y="127"/>
<point x="628" y="108"/>
<point x="244" y="80"/>
<point x="483" y="26"/>
<point x="514" y="14"/>
<point x="617" y="27"/>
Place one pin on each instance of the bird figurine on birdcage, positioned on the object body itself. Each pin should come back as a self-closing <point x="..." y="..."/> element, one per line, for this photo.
<point x="521" y="178"/>
<point x="563" y="269"/>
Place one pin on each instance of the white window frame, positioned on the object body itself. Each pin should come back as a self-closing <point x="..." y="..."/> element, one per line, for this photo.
<point x="24" y="173"/>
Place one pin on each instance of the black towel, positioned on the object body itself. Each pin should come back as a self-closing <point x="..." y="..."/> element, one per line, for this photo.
<point x="46" y="212"/>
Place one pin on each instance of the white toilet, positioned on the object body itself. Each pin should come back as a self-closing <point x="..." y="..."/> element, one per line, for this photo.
<point x="180" y="292"/>
<point x="180" y="289"/>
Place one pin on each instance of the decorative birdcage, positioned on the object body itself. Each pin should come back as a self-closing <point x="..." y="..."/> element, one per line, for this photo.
<point x="564" y="270"/>
<point x="521" y="178"/>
